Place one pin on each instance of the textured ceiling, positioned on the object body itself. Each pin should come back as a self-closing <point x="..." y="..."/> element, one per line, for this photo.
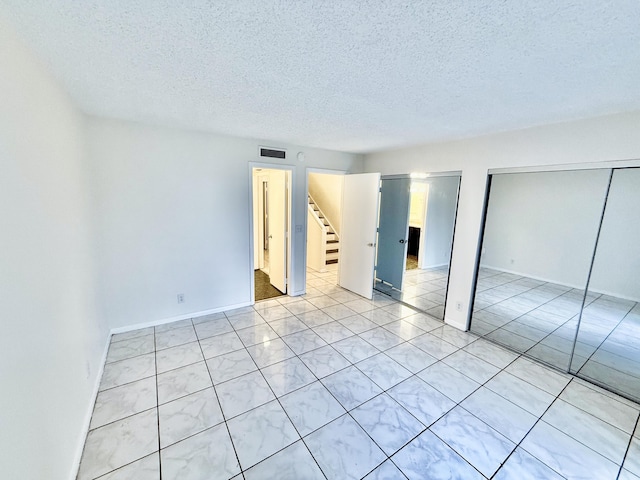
<point x="353" y="75"/>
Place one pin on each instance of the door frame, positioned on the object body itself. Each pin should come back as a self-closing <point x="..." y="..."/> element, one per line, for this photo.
<point x="289" y="258"/>
<point x="305" y="226"/>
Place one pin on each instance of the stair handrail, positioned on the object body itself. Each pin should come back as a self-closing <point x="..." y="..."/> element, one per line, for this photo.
<point x="321" y="242"/>
<point x="320" y="210"/>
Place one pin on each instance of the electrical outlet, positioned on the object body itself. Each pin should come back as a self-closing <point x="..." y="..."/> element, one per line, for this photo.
<point x="181" y="298"/>
<point x="298" y="228"/>
<point x="88" y="369"/>
<point x="512" y="261"/>
<point x="459" y="306"/>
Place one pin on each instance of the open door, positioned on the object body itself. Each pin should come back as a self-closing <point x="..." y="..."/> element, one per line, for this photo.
<point x="278" y="223"/>
<point x="393" y="231"/>
<point x="358" y="233"/>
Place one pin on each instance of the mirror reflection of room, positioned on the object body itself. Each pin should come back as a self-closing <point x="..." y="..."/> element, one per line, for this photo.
<point x="547" y="236"/>
<point x="417" y="217"/>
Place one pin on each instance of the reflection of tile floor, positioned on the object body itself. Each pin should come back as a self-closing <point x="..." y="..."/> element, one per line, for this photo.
<point x="424" y="289"/>
<point x="330" y="385"/>
<point x="540" y="319"/>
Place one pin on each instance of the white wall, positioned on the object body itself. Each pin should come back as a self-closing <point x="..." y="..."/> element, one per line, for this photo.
<point x="326" y="190"/>
<point x="544" y="225"/>
<point x="173" y="210"/>
<point x="602" y="139"/>
<point x="51" y="345"/>
<point x="441" y="216"/>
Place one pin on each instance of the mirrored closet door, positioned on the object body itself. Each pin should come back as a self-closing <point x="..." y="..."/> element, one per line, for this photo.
<point x="415" y="237"/>
<point x="557" y="276"/>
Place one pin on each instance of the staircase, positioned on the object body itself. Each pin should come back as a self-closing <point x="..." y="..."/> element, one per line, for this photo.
<point x="332" y="243"/>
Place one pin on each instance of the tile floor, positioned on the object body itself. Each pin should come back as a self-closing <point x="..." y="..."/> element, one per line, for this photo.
<point x="540" y="319"/>
<point x="334" y="386"/>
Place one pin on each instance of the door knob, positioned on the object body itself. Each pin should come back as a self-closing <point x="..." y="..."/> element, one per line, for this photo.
<point x="371" y="244"/>
<point x="402" y="240"/>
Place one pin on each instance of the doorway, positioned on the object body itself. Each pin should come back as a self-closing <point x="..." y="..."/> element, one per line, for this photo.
<point x="271" y="226"/>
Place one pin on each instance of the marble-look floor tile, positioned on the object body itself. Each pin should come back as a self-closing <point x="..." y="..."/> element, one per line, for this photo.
<point x="118" y="444"/>
<point x="182" y="381"/>
<point x="360" y="305"/>
<point x="321" y="301"/>
<point x="355" y="349"/>
<point x="338" y="312"/>
<point x="246" y="320"/>
<point x="632" y="461"/>
<point x="425" y="322"/>
<point x="454" y="336"/>
<point x="411" y="357"/>
<point x="471" y="366"/>
<point x="287" y="376"/>
<point x="188" y="415"/>
<point x="221" y="344"/>
<point x="351" y="387"/>
<point x="270" y="352"/>
<point x="314" y="318"/>
<point x="311" y="407"/>
<point x="405" y="330"/>
<point x="566" y="455"/>
<point x="288" y="325"/>
<point x="523" y="466"/>
<point x="230" y="365"/>
<point x="293" y="463"/>
<point x="612" y="411"/>
<point x="208" y="318"/>
<point x="474" y="440"/>
<point x="542" y="377"/>
<point x="172" y="325"/>
<point x="499" y="413"/>
<point x="123" y="401"/>
<point x="204" y="456"/>
<point x="130" y="348"/>
<point x="596" y="434"/>
<point x="357" y="323"/>
<point x="434" y="346"/>
<point x="141" y="332"/>
<point x="381" y="338"/>
<point x="429" y="458"/>
<point x="180" y="356"/>
<point x="275" y="313"/>
<point x="343" y="450"/>
<point x="449" y="381"/>
<point x="324" y="361"/>
<point x="422" y="400"/>
<point x="258" y="334"/>
<point x="241" y="394"/>
<point x="386" y="471"/>
<point x="383" y="370"/>
<point x="333" y="332"/>
<point x="261" y="432"/>
<point x="213" y="327"/>
<point x="390" y="425"/>
<point x="491" y="353"/>
<point x="127" y="371"/>
<point x="523" y="394"/>
<point x="147" y="468"/>
<point x="627" y="475"/>
<point x="304" y="341"/>
<point x="175" y="336"/>
<point x="380" y="317"/>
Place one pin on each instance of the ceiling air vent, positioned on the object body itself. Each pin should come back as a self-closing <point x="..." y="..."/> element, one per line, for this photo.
<point x="272" y="153"/>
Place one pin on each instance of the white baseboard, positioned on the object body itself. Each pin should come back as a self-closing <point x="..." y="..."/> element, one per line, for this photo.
<point x="155" y="323"/>
<point x="75" y="467"/>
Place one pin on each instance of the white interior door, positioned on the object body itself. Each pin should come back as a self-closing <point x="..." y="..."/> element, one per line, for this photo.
<point x="358" y="233"/>
<point x="277" y="221"/>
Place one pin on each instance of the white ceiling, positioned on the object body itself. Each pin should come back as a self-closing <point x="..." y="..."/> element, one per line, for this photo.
<point x="353" y="75"/>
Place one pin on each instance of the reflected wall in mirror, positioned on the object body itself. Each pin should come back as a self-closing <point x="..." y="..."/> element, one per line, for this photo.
<point x="415" y="237"/>
<point x="608" y="340"/>
<point x="539" y="236"/>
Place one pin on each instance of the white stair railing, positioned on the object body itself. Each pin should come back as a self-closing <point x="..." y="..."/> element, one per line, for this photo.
<point x="316" y="242"/>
